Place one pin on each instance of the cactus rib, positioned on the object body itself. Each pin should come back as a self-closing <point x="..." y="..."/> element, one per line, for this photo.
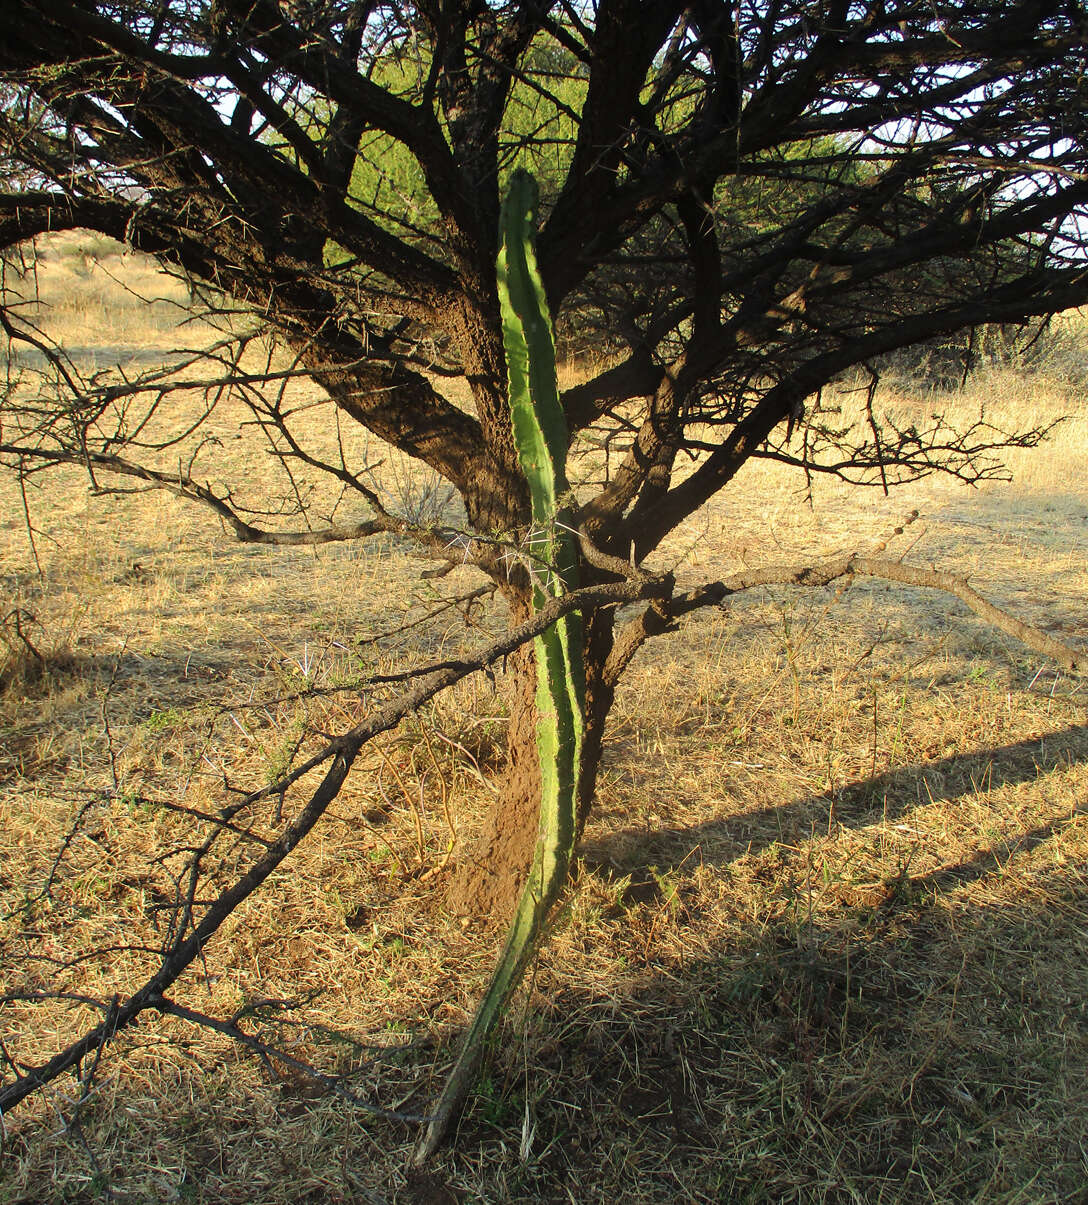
<point x="540" y="434"/>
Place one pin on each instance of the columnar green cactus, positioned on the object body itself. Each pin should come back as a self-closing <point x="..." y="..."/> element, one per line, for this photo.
<point x="540" y="433"/>
<point x="540" y="430"/>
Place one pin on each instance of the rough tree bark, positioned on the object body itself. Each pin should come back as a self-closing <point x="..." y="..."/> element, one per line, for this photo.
<point x="488" y="876"/>
<point x="487" y="879"/>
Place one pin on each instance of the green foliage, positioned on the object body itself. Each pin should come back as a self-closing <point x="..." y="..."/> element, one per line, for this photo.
<point x="537" y="134"/>
<point x="165" y="720"/>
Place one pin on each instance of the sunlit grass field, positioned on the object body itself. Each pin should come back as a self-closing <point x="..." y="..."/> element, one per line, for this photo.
<point x="826" y="939"/>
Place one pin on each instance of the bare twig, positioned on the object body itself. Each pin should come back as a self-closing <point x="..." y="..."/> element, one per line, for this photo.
<point x="431" y="680"/>
<point x="341" y="753"/>
<point x="332" y="1083"/>
<point x="1037" y="640"/>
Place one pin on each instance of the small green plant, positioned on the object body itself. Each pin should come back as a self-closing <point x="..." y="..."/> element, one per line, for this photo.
<point x="163" y="721"/>
<point x="668" y="885"/>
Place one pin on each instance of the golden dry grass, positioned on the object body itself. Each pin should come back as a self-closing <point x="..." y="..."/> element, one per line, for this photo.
<point x="827" y="938"/>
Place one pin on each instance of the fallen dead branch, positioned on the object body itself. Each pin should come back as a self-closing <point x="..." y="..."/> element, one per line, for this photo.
<point x="664" y="609"/>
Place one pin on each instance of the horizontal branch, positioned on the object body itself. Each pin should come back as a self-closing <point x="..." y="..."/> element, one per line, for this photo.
<point x="183" y="486"/>
<point x="823" y="573"/>
<point x="1038" y="641"/>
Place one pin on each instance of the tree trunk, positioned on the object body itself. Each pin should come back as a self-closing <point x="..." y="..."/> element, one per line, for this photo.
<point x="487" y="882"/>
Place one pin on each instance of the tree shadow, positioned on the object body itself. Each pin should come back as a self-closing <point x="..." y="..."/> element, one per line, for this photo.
<point x="77" y="684"/>
<point x="924" y="1046"/>
<point x="888" y="796"/>
<point x="916" y="1050"/>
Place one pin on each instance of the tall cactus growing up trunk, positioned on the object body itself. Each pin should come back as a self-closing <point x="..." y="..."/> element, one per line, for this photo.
<point x="540" y="432"/>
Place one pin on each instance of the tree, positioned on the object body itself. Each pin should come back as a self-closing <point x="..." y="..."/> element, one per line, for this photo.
<point x="741" y="203"/>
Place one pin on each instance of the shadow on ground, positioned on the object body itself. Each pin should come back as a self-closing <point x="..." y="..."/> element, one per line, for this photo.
<point x="883" y="797"/>
<point x="931" y="1046"/>
<point x="924" y="1044"/>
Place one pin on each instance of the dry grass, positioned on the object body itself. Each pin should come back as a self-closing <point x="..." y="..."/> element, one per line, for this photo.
<point x="826" y="943"/>
<point x="99" y="304"/>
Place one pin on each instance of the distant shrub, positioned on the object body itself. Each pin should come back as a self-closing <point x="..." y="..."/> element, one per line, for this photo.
<point x="83" y="250"/>
<point x="1057" y="349"/>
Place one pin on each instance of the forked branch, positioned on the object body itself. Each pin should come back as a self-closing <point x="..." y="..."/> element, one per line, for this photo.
<point x="665" y="607"/>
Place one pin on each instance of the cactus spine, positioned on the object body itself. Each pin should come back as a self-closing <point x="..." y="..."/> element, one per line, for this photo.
<point x="540" y="434"/>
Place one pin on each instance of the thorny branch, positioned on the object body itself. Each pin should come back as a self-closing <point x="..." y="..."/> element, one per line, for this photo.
<point x="741" y="203"/>
<point x="664" y="609"/>
<point x="338" y="756"/>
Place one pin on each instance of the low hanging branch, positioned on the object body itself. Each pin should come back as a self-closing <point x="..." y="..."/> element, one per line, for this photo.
<point x="665" y="607"/>
<point x="823" y="573"/>
<point x="1035" y="639"/>
<point x="341" y="752"/>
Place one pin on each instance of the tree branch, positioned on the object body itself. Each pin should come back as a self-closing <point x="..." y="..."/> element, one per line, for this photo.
<point x="341" y="753"/>
<point x="823" y="573"/>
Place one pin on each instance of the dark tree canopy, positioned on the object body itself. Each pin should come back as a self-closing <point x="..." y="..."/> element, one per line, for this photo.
<point x="741" y="203"/>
